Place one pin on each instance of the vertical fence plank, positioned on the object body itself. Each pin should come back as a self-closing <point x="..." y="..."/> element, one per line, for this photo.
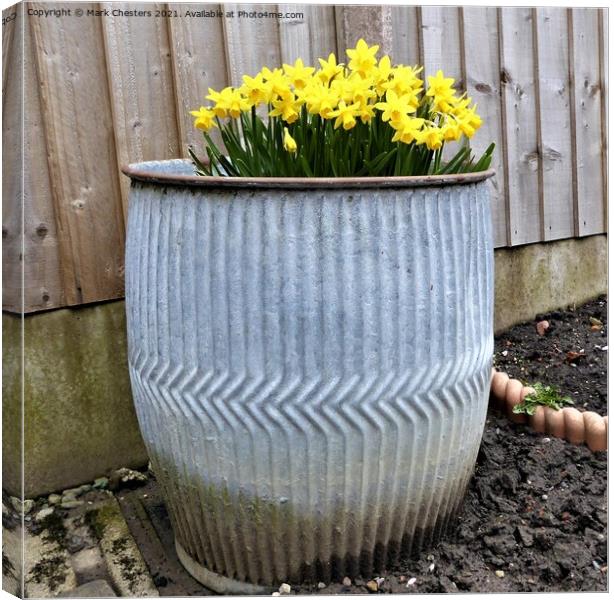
<point x="199" y="62"/>
<point x="251" y="43"/>
<point x="441" y="42"/>
<point x="83" y="169"/>
<point x="521" y="160"/>
<point x="309" y="34"/>
<point x="141" y="84"/>
<point x="481" y="59"/>
<point x="555" y="125"/>
<point x="372" y="23"/>
<point x="42" y="266"/>
<point x="603" y="84"/>
<point x="12" y="160"/>
<point x="587" y="113"/>
<point x="405" y="35"/>
<point x="442" y="48"/>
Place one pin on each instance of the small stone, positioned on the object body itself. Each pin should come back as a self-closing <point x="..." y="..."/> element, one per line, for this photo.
<point x="525" y="535"/>
<point x="284" y="588"/>
<point x="379" y="581"/>
<point x="43" y="514"/>
<point x="545" y="440"/>
<point x="500" y="574"/>
<point x="101" y="483"/>
<point x="275" y="594"/>
<point x="372" y="586"/>
<point x="321" y="585"/>
<point x="126" y="478"/>
<point x="411" y="582"/>
<point x="544" y="496"/>
<point x="432" y="567"/>
<point x="542" y="327"/>
<point x="72" y="492"/>
<point x="86" y="487"/>
<point x="54" y="499"/>
<point x="26" y="506"/>
<point x="347" y="582"/>
<point x="71" y="503"/>
<point x="87" y="560"/>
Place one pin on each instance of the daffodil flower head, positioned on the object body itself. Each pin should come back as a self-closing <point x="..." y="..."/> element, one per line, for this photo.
<point x="298" y="73"/>
<point x="395" y="107"/>
<point x="362" y="58"/>
<point x="329" y="68"/>
<point x="254" y="90"/>
<point x="286" y="107"/>
<point x="289" y="142"/>
<point x="205" y="118"/>
<point x="431" y="136"/>
<point x="441" y="91"/>
<point x="407" y="130"/>
<point x="345" y="115"/>
<point x="228" y="102"/>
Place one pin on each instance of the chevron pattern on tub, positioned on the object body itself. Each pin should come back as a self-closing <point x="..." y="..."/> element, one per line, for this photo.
<point x="310" y="369"/>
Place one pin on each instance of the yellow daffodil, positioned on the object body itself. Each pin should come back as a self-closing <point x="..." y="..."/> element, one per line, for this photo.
<point x="395" y="107"/>
<point x="366" y="112"/>
<point x="286" y="107"/>
<point x="277" y="83"/>
<point x="345" y="115"/>
<point x="442" y="92"/>
<point x="228" y="102"/>
<point x="289" y="142"/>
<point x="362" y="58"/>
<point x="329" y="68"/>
<point x="407" y="129"/>
<point x="298" y="73"/>
<point x="360" y="89"/>
<point x="431" y="136"/>
<point x="320" y="100"/>
<point x="254" y="90"/>
<point x="382" y="75"/>
<point x="380" y="100"/>
<point x="204" y="118"/>
<point x="451" y="130"/>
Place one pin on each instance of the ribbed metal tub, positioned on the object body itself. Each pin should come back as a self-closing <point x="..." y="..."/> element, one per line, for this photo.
<point x="310" y="361"/>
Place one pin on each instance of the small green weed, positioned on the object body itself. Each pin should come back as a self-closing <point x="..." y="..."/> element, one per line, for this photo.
<point x="545" y="395"/>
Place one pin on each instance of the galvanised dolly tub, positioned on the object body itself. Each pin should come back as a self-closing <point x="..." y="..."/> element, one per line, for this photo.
<point x="310" y="361"/>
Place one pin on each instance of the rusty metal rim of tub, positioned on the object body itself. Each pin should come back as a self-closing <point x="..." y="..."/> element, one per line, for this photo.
<point x="139" y="172"/>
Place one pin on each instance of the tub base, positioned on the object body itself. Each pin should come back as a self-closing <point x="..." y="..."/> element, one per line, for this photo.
<point x="219" y="583"/>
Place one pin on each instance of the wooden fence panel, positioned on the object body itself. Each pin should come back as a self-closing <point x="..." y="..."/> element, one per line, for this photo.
<point x="441" y="42"/>
<point x="141" y="85"/>
<point x="310" y="36"/>
<point x="108" y="90"/>
<point x="199" y="61"/>
<point x="588" y="125"/>
<point x="406" y="35"/>
<point x="480" y="44"/>
<point x="555" y="127"/>
<point x="81" y="153"/>
<point x="251" y="43"/>
<point x="519" y="106"/>
<point x="12" y="192"/>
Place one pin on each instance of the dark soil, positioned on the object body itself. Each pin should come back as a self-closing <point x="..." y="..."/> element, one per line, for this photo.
<point x="535" y="514"/>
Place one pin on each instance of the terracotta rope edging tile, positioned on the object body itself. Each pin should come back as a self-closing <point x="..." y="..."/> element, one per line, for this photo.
<point x="570" y="424"/>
